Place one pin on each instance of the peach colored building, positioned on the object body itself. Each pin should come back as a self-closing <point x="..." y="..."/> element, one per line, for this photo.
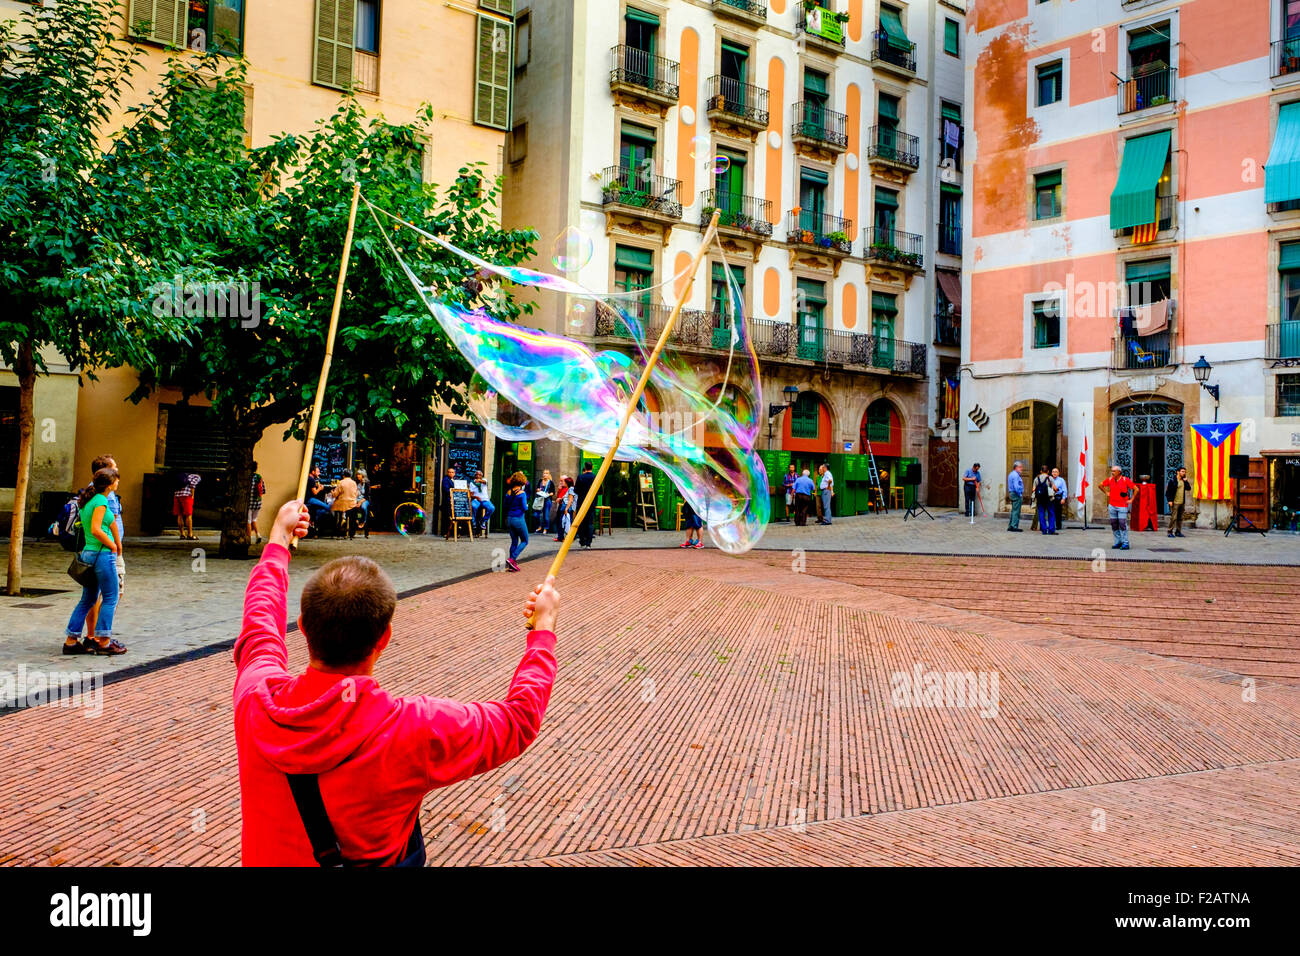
<point x="1135" y="205"/>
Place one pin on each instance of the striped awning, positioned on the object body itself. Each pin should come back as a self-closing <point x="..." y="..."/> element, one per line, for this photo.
<point x="1133" y="203"/>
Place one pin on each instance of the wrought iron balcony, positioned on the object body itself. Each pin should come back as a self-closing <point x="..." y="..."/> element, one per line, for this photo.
<point x="747" y="10"/>
<point x="1166" y="206"/>
<point x="736" y="102"/>
<point x="609" y="322"/>
<point x="788" y="342"/>
<point x="947" y="327"/>
<point x="1154" y="88"/>
<point x="1286" y="57"/>
<point x="892" y="148"/>
<point x="884" y="51"/>
<point x="1283" y="343"/>
<point x="634" y="189"/>
<point x="815" y="124"/>
<point x="822" y="27"/>
<point x="637" y="72"/>
<point x="1138" y="352"/>
<point x="825" y="233"/>
<point x="950" y="238"/>
<point x="738" y="213"/>
<point x="903" y="250"/>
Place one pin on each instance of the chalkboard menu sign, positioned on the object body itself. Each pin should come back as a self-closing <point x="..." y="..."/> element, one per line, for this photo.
<point x="460" y="504"/>
<point x="465" y="453"/>
<point x="331" y="455"/>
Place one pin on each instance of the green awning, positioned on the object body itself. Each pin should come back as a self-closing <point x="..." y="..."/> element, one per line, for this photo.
<point x="735" y="48"/>
<point x="812" y="291"/>
<point x="888" y="107"/>
<point x="887" y="197"/>
<point x="893" y="27"/>
<point x="1290" y="257"/>
<point x="1146" y="39"/>
<point x="641" y="134"/>
<point x="948" y="189"/>
<point x="883" y="302"/>
<point x="1150" y="270"/>
<point x="737" y="273"/>
<point x="640" y="16"/>
<point x="1046" y="180"/>
<point x="1133" y="203"/>
<point x="814" y="82"/>
<point x="814" y="176"/>
<point x="626" y="257"/>
<point x="1282" y="171"/>
<point x="950" y="112"/>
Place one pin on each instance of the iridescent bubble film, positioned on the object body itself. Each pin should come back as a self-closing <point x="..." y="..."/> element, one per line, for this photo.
<point x="697" y="423"/>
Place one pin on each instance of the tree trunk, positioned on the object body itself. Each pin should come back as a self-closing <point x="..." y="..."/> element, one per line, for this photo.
<point x="239" y="471"/>
<point x="25" y="369"/>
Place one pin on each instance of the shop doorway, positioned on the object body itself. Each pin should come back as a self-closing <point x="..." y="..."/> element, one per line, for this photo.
<point x="1149" y="441"/>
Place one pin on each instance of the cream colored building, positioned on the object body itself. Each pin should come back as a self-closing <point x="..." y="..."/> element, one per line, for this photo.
<point x="397" y="55"/>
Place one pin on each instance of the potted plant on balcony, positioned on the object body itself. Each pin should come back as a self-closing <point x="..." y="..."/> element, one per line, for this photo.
<point x="806" y="237"/>
<point x="838" y="238"/>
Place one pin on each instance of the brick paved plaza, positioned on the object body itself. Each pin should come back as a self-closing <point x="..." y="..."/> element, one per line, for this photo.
<point x="715" y="710"/>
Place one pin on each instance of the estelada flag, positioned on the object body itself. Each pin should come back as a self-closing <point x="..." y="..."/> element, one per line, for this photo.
<point x="1211" y="446"/>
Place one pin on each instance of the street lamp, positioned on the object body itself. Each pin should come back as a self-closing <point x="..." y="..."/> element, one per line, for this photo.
<point x="791" y="393"/>
<point x="1202" y="371"/>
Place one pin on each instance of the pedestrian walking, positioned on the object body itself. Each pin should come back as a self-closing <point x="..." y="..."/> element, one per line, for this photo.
<point x="788" y="483"/>
<point x="119" y="529"/>
<point x="546" y="492"/>
<point x="1178" y="492"/>
<point x="1058" y="503"/>
<point x="256" y="489"/>
<point x="99" y="551"/>
<point x="803" y="496"/>
<point x="587" y="531"/>
<point x="826" y="488"/>
<point x="1016" y="494"/>
<point x="1044" y="493"/>
<point x="516" y="505"/>
<point x="565" y="519"/>
<point x="332" y="767"/>
<point x="183" y="503"/>
<point x="970" y="485"/>
<point x="693" y="526"/>
<point x="1119" y="491"/>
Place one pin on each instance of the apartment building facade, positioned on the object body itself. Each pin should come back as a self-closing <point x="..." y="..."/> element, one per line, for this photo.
<point x="1135" y="208"/>
<point x="815" y="130"/>
<point x="394" y="56"/>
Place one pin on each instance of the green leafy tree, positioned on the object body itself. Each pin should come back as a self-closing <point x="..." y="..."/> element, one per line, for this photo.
<point x="65" y="271"/>
<point x="277" y="216"/>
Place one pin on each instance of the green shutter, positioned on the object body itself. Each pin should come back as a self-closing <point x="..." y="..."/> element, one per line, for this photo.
<point x="814" y="292"/>
<point x="1133" y="203"/>
<point x="336" y="22"/>
<point x="1282" y="171"/>
<point x="814" y="82"/>
<point x="814" y="176"/>
<point x="884" y="303"/>
<point x="1150" y="270"/>
<point x="1290" y="257"/>
<point x="503" y="7"/>
<point x="627" y="257"/>
<point x="887" y="197"/>
<point x="737" y="273"/>
<point x="948" y="189"/>
<point x="888" y="108"/>
<point x="1145" y="39"/>
<point x="1045" y="180"/>
<point x="162" y="21"/>
<point x="735" y="48"/>
<point x="493" y="72"/>
<point x="640" y="16"/>
<point x="950" y="112"/>
<point x="641" y="134"/>
<point x="892" y="24"/>
<point x="951" y="43"/>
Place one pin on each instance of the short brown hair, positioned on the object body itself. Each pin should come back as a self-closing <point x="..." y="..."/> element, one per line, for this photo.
<point x="103" y="461"/>
<point x="346" y="606"/>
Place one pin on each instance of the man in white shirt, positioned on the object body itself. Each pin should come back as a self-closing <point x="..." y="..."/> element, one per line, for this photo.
<point x="826" y="485"/>
<point x="480" y="501"/>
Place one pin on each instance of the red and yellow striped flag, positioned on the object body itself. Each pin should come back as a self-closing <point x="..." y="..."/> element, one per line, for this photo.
<point x="1145" y="234"/>
<point x="1211" y="446"/>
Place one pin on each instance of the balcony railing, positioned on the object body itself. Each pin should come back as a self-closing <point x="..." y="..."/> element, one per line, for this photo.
<point x="1137" y="352"/>
<point x="815" y="122"/>
<point x="884" y="51"/>
<point x="1286" y="57"/>
<point x="735" y="211"/>
<point x="892" y="146"/>
<point x="950" y="238"/>
<point x="947" y="328"/>
<point x="1155" y="88"/>
<point x="625" y="186"/>
<point x="904" y="249"/>
<point x="740" y="101"/>
<point x="652" y="318"/>
<point x="826" y="232"/>
<point x="637" y="68"/>
<point x="783" y="340"/>
<point x="1165" y="208"/>
<point x="365" y="72"/>
<point x="745" y="9"/>
<point x="820" y="23"/>
<point x="1283" y="343"/>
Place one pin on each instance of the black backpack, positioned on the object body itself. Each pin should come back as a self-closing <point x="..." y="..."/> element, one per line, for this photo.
<point x="68" y="529"/>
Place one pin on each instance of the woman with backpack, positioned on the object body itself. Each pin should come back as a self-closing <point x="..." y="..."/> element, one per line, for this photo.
<point x="255" y="493"/>
<point x="99" y="550"/>
<point x="1045" y="501"/>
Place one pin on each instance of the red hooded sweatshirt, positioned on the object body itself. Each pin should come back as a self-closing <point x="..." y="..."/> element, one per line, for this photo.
<point x="376" y="755"/>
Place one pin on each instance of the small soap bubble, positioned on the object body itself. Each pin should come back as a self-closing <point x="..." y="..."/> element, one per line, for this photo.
<point x="573" y="249"/>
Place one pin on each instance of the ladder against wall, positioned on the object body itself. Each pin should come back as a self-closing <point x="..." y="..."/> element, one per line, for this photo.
<point x="647" y="507"/>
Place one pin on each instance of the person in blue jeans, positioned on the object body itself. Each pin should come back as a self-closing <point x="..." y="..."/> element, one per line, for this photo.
<point x="100" y="552"/>
<point x="516" y="506"/>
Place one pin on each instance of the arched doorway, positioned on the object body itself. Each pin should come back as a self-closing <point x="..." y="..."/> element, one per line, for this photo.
<point x="881" y="434"/>
<point x="806" y="431"/>
<point x="1035" y="437"/>
<point x="1149" y="441"/>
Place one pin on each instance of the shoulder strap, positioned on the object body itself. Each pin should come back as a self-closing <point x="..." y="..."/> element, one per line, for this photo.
<point x="305" y="788"/>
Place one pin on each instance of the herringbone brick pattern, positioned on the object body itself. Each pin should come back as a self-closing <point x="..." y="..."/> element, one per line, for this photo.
<point x="712" y="709"/>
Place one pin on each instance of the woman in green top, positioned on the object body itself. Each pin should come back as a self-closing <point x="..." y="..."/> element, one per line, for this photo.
<point x="100" y="552"/>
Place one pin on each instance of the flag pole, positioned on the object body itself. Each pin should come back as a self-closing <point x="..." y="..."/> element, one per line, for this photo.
<point x="590" y="498"/>
<point x="310" y="447"/>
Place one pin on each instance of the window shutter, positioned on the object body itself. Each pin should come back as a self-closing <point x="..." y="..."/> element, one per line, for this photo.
<point x="336" y="22"/>
<point x="493" y="72"/>
<point x="504" y="7"/>
<point x="162" y="21"/>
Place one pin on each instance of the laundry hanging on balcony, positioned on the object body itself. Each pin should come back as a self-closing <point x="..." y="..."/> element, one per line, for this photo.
<point x="1133" y="202"/>
<point x="1282" y="171"/>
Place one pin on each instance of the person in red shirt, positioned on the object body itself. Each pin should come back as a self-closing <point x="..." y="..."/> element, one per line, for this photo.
<point x="333" y="768"/>
<point x="1119" y="491"/>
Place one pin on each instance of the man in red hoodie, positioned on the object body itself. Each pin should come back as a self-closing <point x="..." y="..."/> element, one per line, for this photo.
<point x="332" y="768"/>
